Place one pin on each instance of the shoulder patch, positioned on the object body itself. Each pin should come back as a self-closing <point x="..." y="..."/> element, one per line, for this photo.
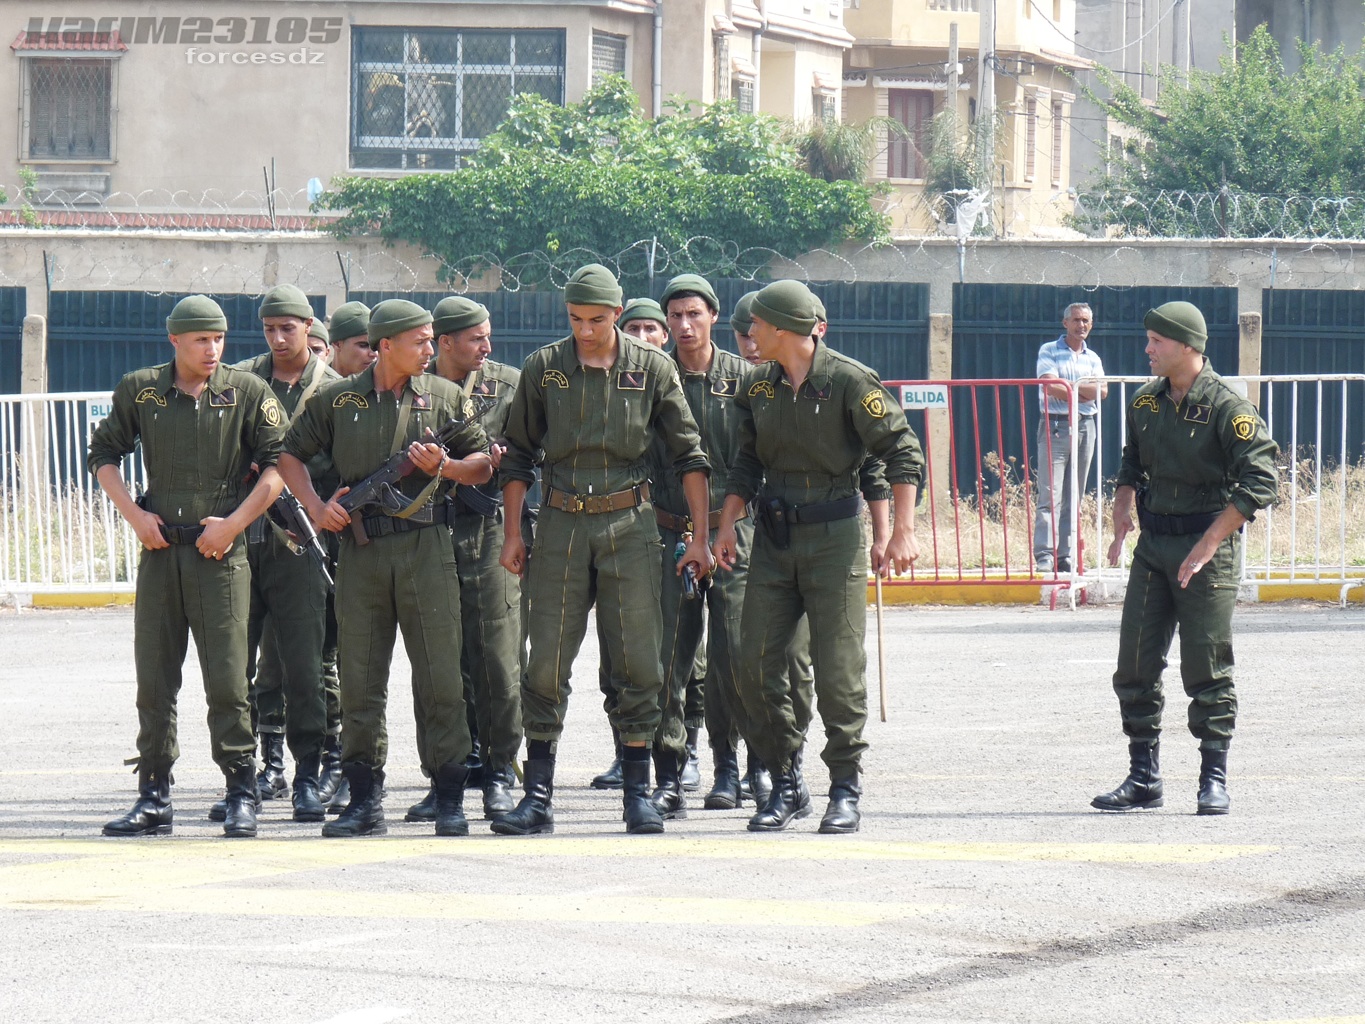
<point x="225" y="399"/>
<point x="1146" y="402"/>
<point x="1198" y="413"/>
<point x="1244" y="427"/>
<point x="468" y="409"/>
<point x="350" y="398"/>
<point x="875" y="403"/>
<point x="486" y="387"/>
<point x="631" y="380"/>
<point x="150" y="395"/>
<point x="726" y="387"/>
<point x="274" y="415"/>
<point x="556" y="378"/>
<point x="762" y="387"/>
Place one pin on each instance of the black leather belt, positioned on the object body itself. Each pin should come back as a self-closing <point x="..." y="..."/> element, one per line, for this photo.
<point x="181" y="534"/>
<point x="1173" y="526"/>
<point x="825" y="511"/>
<point x="382" y="526"/>
<point x="683" y="524"/>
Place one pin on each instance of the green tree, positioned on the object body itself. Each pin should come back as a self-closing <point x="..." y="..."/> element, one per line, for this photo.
<point x="1230" y="139"/>
<point x="553" y="186"/>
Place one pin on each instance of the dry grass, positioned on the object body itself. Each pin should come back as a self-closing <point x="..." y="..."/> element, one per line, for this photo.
<point x="65" y="538"/>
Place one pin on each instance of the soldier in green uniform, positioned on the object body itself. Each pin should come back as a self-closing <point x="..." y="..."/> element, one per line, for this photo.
<point x="1197" y="463"/>
<point x="403" y="576"/>
<point x="319" y="341"/>
<point x="590" y="404"/>
<point x="490" y="597"/>
<point x="809" y="420"/>
<point x="287" y="590"/>
<point x="349" y="330"/>
<point x="644" y="320"/>
<point x="201" y="426"/>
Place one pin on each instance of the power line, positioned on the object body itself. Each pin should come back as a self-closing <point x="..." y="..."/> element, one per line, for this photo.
<point x="1118" y="49"/>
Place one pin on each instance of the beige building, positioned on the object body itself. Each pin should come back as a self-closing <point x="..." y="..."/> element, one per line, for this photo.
<point x="184" y="106"/>
<point x="899" y="67"/>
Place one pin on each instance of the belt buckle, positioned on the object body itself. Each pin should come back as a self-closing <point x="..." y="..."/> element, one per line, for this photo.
<point x="576" y="503"/>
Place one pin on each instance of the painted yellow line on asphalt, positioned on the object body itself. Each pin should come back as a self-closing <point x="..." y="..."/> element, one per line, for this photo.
<point x="1358" y="1018"/>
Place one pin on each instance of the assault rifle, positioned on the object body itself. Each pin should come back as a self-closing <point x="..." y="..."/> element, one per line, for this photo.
<point x="380" y="487"/>
<point x="288" y="514"/>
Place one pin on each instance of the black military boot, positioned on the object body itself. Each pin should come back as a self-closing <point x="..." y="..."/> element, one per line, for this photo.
<point x="474" y="767"/>
<point x="450" y="782"/>
<point x="668" y="796"/>
<point x="341" y="799"/>
<point x="329" y="776"/>
<point x="242" y="800"/>
<point x="691" y="769"/>
<point x="1213" y="782"/>
<point x="639" y="813"/>
<point x="725" y="794"/>
<point x="497" y="791"/>
<point x="1142" y="789"/>
<point x="611" y="778"/>
<point x="757" y="784"/>
<point x="842" y="815"/>
<point x="783" y="806"/>
<point x="535" y="813"/>
<point x="271" y="782"/>
<point x="425" y="808"/>
<point x="151" y="812"/>
<point x="364" y="815"/>
<point x="308" y="805"/>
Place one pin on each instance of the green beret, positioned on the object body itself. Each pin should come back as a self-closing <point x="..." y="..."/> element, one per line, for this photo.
<point x="741" y="319"/>
<point x="456" y="313"/>
<point x="691" y="283"/>
<point x="394" y="316"/>
<point x="593" y="285"/>
<point x="349" y="320"/>
<point x="316" y="330"/>
<point x="286" y="300"/>
<point x="1179" y="321"/>
<point x="196" y="313"/>
<point x="642" y="309"/>
<point x="788" y="306"/>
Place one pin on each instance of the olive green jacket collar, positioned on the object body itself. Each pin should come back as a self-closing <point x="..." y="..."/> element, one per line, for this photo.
<point x="567" y="357"/>
<point x="364" y="383"/>
<point x="217" y="382"/>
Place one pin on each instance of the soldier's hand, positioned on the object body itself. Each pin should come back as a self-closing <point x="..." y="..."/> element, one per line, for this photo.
<point x="426" y="456"/>
<point x="331" y="516"/>
<point x="216" y="540"/>
<point x="901" y="553"/>
<point x="1121" y="530"/>
<point x="147" y="526"/>
<point x="495" y="454"/>
<point x="1197" y="558"/>
<point x="725" y="548"/>
<point x="513" y="557"/>
<point x="697" y="555"/>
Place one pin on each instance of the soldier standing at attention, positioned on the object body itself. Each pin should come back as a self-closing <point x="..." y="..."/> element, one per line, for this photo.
<point x="490" y="597"/>
<point x="201" y="425"/>
<point x="809" y="419"/>
<point x="591" y="403"/>
<point x="1198" y="463"/>
<point x="403" y="576"/>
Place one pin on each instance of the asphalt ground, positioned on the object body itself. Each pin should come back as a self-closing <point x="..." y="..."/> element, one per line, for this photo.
<point x="982" y="888"/>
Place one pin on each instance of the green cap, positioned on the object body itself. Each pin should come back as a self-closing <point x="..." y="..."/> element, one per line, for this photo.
<point x="316" y="330"/>
<point x="788" y="306"/>
<point x="741" y="318"/>
<point x="286" y="300"/>
<point x="394" y="316"/>
<point x="593" y="285"/>
<point x="196" y="313"/>
<point x="642" y="309"/>
<point x="456" y="313"/>
<point x="350" y="320"/>
<point x="820" y="313"/>
<point x="1179" y="321"/>
<point x="691" y="283"/>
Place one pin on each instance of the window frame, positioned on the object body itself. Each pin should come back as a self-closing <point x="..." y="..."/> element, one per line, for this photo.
<point x="27" y="59"/>
<point x="913" y="144"/>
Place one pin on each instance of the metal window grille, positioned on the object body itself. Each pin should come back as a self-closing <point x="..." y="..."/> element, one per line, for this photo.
<point x="1030" y="137"/>
<point x="954" y="5"/>
<point x="914" y="108"/>
<point x="743" y="90"/>
<point x="69" y="109"/>
<point x="422" y="98"/>
<point x="1056" y="143"/>
<point x="722" y="55"/>
<point x="608" y="55"/>
<point x="822" y="106"/>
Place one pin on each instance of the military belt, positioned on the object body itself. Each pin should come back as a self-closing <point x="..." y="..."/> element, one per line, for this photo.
<point x="1151" y="522"/>
<point x="825" y="511"/>
<point x="382" y="526"/>
<point x="596" y="504"/>
<point x="181" y="534"/>
<point x="683" y="524"/>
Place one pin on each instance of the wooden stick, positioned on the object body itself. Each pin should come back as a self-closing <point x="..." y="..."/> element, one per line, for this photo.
<point x="881" y="648"/>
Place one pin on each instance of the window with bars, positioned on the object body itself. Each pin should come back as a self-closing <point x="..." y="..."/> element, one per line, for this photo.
<point x="821" y="106"/>
<point x="914" y="109"/>
<point x="722" y="58"/>
<point x="422" y="98"/>
<point x="1056" y="143"/>
<point x="608" y="55"/>
<point x="743" y="91"/>
<point x="1030" y="138"/>
<point x="69" y="108"/>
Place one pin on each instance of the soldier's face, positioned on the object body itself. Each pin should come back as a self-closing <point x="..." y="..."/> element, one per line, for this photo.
<point x="317" y="346"/>
<point x="198" y="354"/>
<point x="651" y="332"/>
<point x="408" y="354"/>
<point x="1166" y="355"/>
<point x="594" y="327"/>
<point x="287" y="336"/>
<point x="689" y="321"/>
<point x="352" y="355"/>
<point x="468" y="349"/>
<point x="748" y="348"/>
<point x="767" y="338"/>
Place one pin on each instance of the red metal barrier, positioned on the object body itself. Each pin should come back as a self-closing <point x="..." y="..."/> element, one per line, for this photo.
<point x="976" y="516"/>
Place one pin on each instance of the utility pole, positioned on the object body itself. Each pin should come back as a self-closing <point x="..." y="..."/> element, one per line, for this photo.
<point x="985" y="104"/>
<point x="953" y="70"/>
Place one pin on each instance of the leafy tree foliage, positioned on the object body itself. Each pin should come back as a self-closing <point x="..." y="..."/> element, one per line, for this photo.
<point x="1233" y="137"/>
<point x="556" y="185"/>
